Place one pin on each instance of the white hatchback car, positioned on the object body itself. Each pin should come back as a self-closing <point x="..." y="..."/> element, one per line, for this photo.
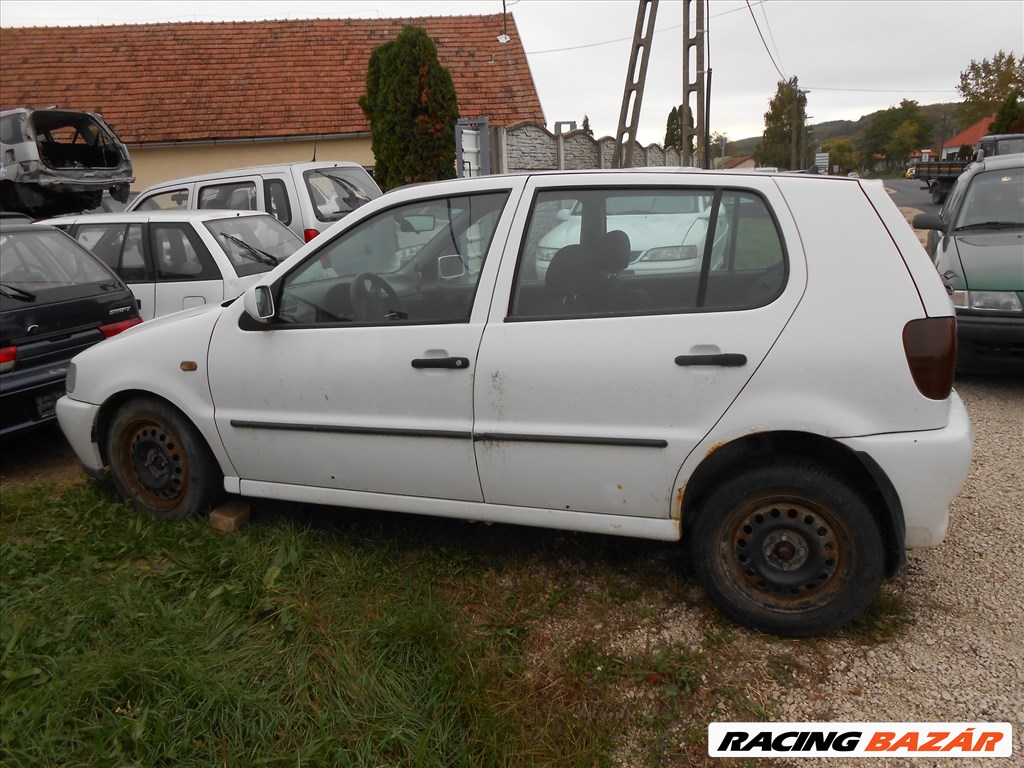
<point x="797" y="440"/>
<point x="175" y="260"/>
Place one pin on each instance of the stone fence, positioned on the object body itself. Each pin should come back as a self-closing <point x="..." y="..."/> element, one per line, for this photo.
<point x="528" y="146"/>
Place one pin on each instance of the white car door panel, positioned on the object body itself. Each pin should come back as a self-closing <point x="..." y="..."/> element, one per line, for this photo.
<point x="364" y="418"/>
<point x="654" y="387"/>
<point x="356" y="390"/>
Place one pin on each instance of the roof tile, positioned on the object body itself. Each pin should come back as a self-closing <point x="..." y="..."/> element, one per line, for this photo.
<point x="242" y="80"/>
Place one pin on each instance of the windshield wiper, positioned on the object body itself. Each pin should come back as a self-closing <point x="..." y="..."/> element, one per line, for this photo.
<point x="263" y="256"/>
<point x="990" y="225"/>
<point x="13" y="292"/>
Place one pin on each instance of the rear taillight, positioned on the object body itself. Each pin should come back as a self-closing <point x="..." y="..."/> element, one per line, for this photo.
<point x="112" y="329"/>
<point x="930" y="346"/>
<point x="309" y="234"/>
<point x="8" y="355"/>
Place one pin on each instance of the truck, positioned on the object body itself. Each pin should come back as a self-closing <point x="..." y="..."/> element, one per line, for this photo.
<point x="938" y="177"/>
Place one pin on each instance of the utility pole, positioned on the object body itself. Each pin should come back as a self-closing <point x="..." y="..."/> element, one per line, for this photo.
<point x="693" y="85"/>
<point x="633" y="93"/>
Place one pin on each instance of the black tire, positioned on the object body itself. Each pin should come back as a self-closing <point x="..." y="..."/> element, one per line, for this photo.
<point x="788" y="548"/>
<point x="160" y="463"/>
<point x="938" y="196"/>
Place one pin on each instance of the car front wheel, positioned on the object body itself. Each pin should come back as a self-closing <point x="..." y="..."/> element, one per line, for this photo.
<point x="160" y="462"/>
<point x="788" y="548"/>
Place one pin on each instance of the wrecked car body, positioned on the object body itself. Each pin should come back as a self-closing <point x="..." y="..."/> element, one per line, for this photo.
<point x="56" y="161"/>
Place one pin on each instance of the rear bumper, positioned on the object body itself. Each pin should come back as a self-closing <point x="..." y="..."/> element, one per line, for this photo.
<point x="927" y="470"/>
<point x="27" y="398"/>
<point x="77" y="421"/>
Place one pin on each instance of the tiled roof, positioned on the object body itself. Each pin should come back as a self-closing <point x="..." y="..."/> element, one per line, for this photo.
<point x="971" y="135"/>
<point x="241" y="80"/>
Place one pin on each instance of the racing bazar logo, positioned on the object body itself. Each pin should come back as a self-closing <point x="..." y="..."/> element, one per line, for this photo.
<point x="860" y="740"/>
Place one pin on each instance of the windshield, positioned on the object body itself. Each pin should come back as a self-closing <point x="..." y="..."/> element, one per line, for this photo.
<point x="254" y="243"/>
<point x="35" y="262"/>
<point x="994" y="198"/>
<point x="335" y="192"/>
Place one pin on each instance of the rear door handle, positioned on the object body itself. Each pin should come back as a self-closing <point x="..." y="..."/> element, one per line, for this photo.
<point x="441" y="362"/>
<point x="726" y="359"/>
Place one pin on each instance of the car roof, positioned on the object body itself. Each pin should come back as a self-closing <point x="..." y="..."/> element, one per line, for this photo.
<point x="254" y="170"/>
<point x="13" y="225"/>
<point x="998" y="162"/>
<point x="173" y="215"/>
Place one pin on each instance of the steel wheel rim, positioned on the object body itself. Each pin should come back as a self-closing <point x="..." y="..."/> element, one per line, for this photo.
<point x="786" y="554"/>
<point x="154" y="462"/>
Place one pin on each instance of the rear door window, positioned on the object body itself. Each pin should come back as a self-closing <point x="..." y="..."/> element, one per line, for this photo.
<point x="170" y="200"/>
<point x="119" y="246"/>
<point x="595" y="252"/>
<point x="235" y="196"/>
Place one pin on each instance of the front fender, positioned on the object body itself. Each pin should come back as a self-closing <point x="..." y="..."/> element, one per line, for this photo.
<point x="166" y="358"/>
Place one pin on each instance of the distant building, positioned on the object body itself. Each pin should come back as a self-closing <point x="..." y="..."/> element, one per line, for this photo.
<point x="969" y="136"/>
<point x="188" y="98"/>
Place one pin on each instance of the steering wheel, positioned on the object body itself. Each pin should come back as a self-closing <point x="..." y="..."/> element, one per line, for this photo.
<point x="373" y="299"/>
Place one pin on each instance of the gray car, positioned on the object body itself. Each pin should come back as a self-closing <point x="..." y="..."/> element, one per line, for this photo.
<point x="57" y="161"/>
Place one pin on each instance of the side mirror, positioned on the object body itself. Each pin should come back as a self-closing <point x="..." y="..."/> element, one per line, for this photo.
<point x="258" y="303"/>
<point x="563" y="214"/>
<point x="929" y="221"/>
<point x="450" y="267"/>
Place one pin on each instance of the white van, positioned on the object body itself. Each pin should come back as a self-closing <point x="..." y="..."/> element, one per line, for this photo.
<point x="308" y="197"/>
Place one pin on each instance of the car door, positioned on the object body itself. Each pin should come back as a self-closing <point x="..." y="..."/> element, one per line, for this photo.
<point x="187" y="275"/>
<point x="594" y="383"/>
<point x="369" y="388"/>
<point x="121" y="246"/>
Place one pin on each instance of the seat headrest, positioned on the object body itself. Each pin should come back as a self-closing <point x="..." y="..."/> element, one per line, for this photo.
<point x="613" y="252"/>
<point x="565" y="272"/>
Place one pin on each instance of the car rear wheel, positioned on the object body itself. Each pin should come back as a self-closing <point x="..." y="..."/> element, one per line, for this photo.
<point x="160" y="462"/>
<point x="788" y="548"/>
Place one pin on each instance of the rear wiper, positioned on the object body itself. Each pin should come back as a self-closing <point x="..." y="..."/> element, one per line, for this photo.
<point x="263" y="256"/>
<point x="991" y="225"/>
<point x="13" y="292"/>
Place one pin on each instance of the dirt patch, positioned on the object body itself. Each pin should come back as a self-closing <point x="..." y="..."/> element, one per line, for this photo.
<point x="42" y="456"/>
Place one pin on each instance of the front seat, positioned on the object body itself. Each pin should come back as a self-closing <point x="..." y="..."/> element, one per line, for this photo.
<point x="564" y="282"/>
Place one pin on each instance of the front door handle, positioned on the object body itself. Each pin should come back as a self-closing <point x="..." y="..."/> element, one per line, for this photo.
<point x="725" y="359"/>
<point x="457" y="363"/>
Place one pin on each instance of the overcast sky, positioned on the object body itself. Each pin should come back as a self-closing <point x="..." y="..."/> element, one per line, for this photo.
<point x="855" y="57"/>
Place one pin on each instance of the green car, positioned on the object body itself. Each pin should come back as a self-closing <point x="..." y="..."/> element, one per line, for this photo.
<point x="977" y="244"/>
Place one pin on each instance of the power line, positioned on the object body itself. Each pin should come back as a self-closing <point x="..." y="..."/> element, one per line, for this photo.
<point x="766" y="49"/>
<point x="624" y="39"/>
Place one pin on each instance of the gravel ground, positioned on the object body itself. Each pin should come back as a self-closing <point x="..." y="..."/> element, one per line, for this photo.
<point x="962" y="659"/>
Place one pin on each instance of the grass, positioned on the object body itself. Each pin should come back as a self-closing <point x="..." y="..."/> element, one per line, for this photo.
<point x="350" y="638"/>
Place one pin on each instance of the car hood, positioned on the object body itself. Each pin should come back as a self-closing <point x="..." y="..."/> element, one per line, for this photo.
<point x="992" y="261"/>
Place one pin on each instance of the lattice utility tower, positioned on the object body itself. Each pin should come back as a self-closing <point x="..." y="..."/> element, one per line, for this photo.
<point x="694" y="84"/>
<point x="636" y="76"/>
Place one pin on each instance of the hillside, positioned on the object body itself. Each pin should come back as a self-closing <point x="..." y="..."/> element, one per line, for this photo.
<point x="852" y="129"/>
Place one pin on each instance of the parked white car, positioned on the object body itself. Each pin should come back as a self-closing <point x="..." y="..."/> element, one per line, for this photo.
<point x="308" y="197"/>
<point x="795" y="439"/>
<point x="175" y="260"/>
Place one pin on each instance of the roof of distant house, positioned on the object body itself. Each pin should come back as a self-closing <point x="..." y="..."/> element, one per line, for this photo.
<point x="241" y="80"/>
<point x="971" y="135"/>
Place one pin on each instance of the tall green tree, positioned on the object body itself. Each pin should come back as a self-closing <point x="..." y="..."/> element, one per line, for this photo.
<point x="1010" y="118"/>
<point x="842" y="155"/>
<point x="890" y="134"/>
<point x="985" y="85"/>
<point x="783" y="126"/>
<point x="586" y="127"/>
<point x="674" y="130"/>
<point x="412" y="107"/>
